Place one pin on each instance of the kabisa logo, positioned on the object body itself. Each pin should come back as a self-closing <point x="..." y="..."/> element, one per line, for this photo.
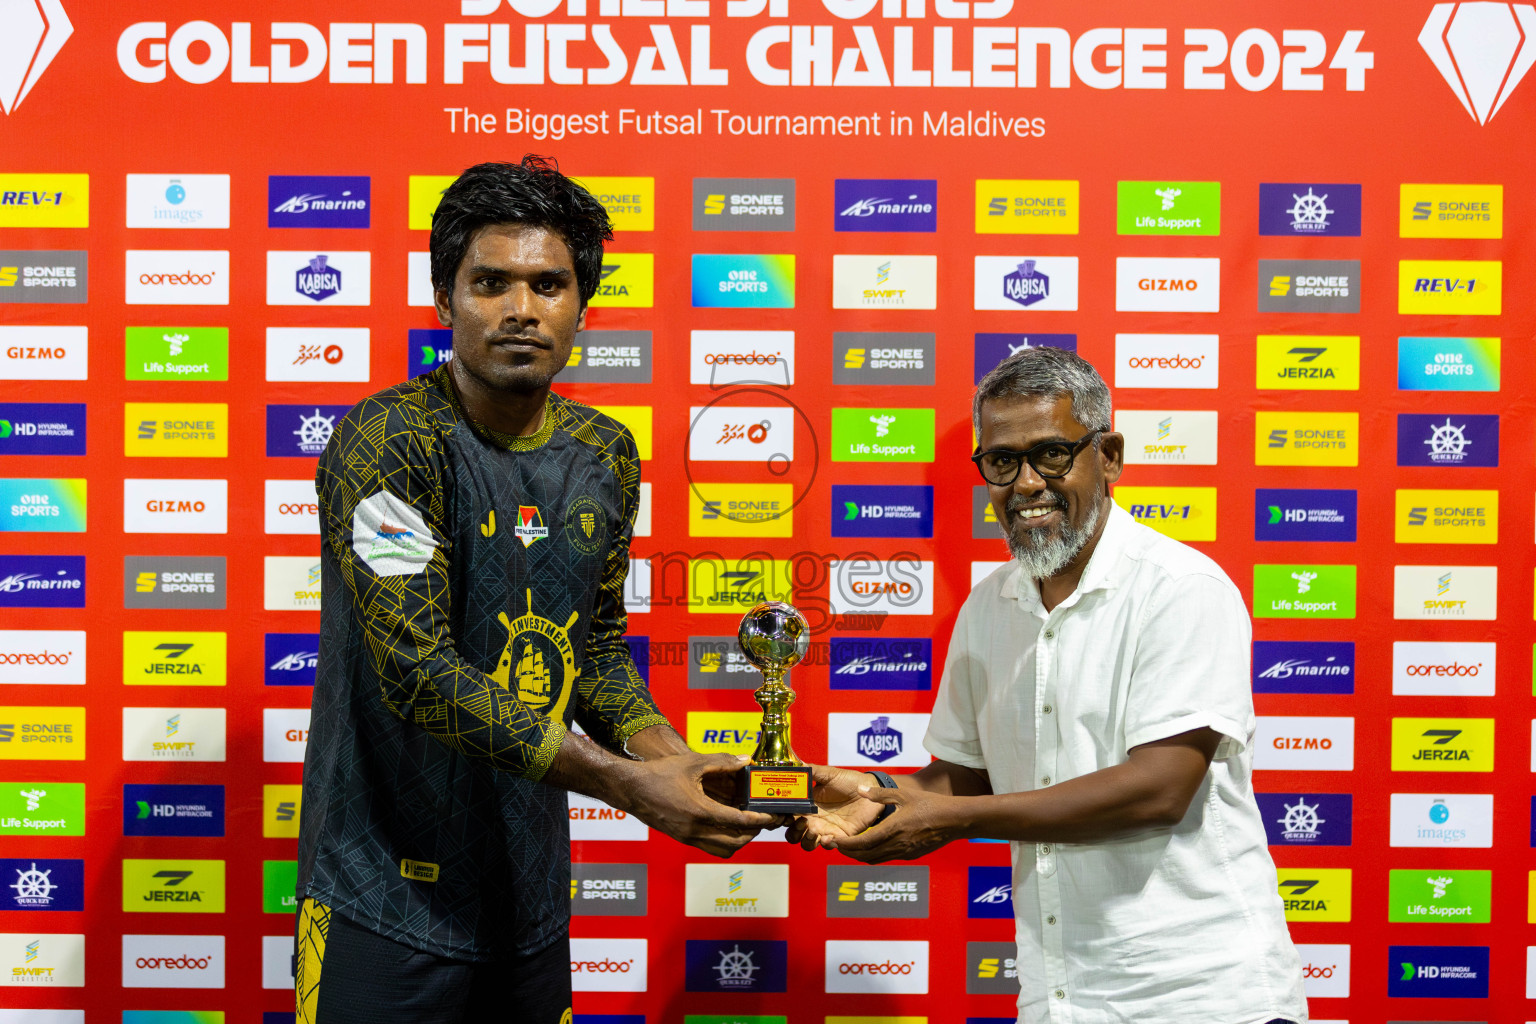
<point x="735" y="965"/>
<point x="1026" y="285"/>
<point x="290" y="658"/>
<point x="1441" y="440"/>
<point x="36" y="428"/>
<point x="42" y="884"/>
<point x="35" y="35"/>
<point x="886" y="205"/>
<point x="426" y="349"/>
<point x="159" y="810"/>
<point x="1320" y="515"/>
<point x="1025" y="282"/>
<point x="1307" y="819"/>
<point x="1304" y="666"/>
<point x="301" y="430"/>
<point x="1448" y="364"/>
<point x="991" y="349"/>
<point x="42" y="581"/>
<point x="859" y="663"/>
<point x="989" y="892"/>
<point x="318" y="281"/>
<point x="882" y="511"/>
<point x="879" y="742"/>
<point x="1309" y="210"/>
<point x="318" y="201"/>
<point x="1443" y="972"/>
<point x="1479" y="49"/>
<point x="304" y="277"/>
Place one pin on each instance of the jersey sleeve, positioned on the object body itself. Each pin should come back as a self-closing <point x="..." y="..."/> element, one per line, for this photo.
<point x="612" y="701"/>
<point x="381" y="483"/>
<point x="1191" y="667"/>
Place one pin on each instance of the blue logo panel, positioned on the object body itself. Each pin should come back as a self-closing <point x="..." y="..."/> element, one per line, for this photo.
<point x="1307" y="819"/>
<point x="640" y="654"/>
<point x="883" y="204"/>
<point x="1437" y="972"/>
<point x="429" y="348"/>
<point x="28" y="883"/>
<point x="1285" y="514"/>
<point x="1303" y="666"/>
<point x="609" y="1018"/>
<point x="736" y="965"/>
<point x="989" y="892"/>
<point x="301" y="431"/>
<point x="42" y="428"/>
<point x="276" y="1017"/>
<point x="1447" y="440"/>
<point x="1448" y="364"/>
<point x="318" y="201"/>
<point x="888" y="663"/>
<point x="881" y="511"/>
<point x="993" y="348"/>
<point x="744" y="280"/>
<point x="290" y="658"/>
<point x="173" y="810"/>
<point x="1309" y="210"/>
<point x="42" y="581"/>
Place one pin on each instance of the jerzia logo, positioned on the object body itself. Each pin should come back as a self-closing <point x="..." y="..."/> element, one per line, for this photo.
<point x="1480" y="51"/>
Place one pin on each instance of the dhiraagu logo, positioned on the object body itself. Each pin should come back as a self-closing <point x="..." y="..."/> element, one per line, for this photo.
<point x="1168" y="208"/>
<point x="750" y="281"/>
<point x="1304" y="591"/>
<point x="1316" y="894"/>
<point x="1448" y="364"/>
<point x="1440" y="896"/>
<point x="1183" y="513"/>
<point x="882" y="435"/>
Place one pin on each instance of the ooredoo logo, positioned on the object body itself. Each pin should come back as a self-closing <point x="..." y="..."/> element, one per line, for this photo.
<point x="1325" y="970"/>
<point x="1166" y="360"/>
<point x="1480" y="49"/>
<point x="877" y="966"/>
<point x="1444" y="669"/>
<point x="35" y="33"/>
<point x="887" y="967"/>
<point x="177" y="277"/>
<point x="173" y="961"/>
<point x="741" y="357"/>
<point x="42" y="656"/>
<point x="608" y="965"/>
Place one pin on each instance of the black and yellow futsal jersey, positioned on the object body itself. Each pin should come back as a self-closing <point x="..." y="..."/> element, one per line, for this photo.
<point x="472" y="606"/>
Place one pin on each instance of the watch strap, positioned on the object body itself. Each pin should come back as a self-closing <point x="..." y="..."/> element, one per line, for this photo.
<point x="888" y="783"/>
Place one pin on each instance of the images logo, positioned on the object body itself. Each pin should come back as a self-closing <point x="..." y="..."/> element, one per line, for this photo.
<point x="1304" y="743"/>
<point x="735" y="965"/>
<point x="1026" y="282"/>
<point x="1006" y="206"/>
<point x="1480" y="51"/>
<point x="882" y="511"/>
<point x="855" y="891"/>
<point x="176" y="277"/>
<point x="1439" y="896"/>
<point x="178" y="201"/>
<point x="1316" y="894"/>
<point x="743" y="204"/>
<point x="318" y="201"/>
<point x="884" y="664"/>
<point x="174" y="659"/>
<point x="1161" y="285"/>
<point x="882" y="435"/>
<point x="173" y="810"/>
<point x="884" y="282"/>
<point x="882" y="357"/>
<point x="43" y="353"/>
<point x="1306" y="438"/>
<point x="1442" y="744"/>
<point x="1321" y="515"/>
<point x="1451" y="211"/>
<point x="40" y="581"/>
<point x="989" y="892"/>
<point x="1444" y="669"/>
<point x="1303" y="666"/>
<point x="38" y="428"/>
<point x="1308" y="362"/>
<point x="1448" y="364"/>
<point x="301" y="431"/>
<point x="745" y="281"/>
<point x="1447" y="517"/>
<point x="1309" y="210"/>
<point x="1445" y="591"/>
<point x="741" y="510"/>
<point x="29" y="884"/>
<point x="1168" y="208"/>
<point x="991" y="349"/>
<point x="1442" y="820"/>
<point x="1184" y="513"/>
<point x="1450" y="287"/>
<point x="173" y="581"/>
<point x="885" y="205"/>
<point x="1441" y="440"/>
<point x="1307" y="819"/>
<point x="44" y="276"/>
<point x="1437" y="972"/>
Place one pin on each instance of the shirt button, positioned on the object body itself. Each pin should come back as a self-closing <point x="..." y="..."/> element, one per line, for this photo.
<point x="1050" y="634"/>
<point x="1046" y="709"/>
<point x="1046" y="781"/>
<point x="1051" y="919"/>
<point x="1061" y="994"/>
<point x="1046" y="848"/>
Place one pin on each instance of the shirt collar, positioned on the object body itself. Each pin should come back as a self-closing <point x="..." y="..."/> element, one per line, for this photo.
<point x="1102" y="571"/>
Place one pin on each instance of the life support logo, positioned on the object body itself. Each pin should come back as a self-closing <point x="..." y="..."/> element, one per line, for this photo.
<point x="1482" y="52"/>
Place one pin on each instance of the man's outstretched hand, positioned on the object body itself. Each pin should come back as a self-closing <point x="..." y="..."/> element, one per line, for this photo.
<point x="675" y="795"/>
<point x="917" y="827"/>
<point x="842" y="811"/>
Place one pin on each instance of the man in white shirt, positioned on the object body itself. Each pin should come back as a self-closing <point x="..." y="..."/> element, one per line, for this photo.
<point x="1096" y="711"/>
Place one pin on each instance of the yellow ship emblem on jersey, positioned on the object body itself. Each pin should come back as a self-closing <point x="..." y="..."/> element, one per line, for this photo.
<point x="544" y="658"/>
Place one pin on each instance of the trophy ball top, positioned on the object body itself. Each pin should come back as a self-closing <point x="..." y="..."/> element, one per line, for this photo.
<point x="774" y="636"/>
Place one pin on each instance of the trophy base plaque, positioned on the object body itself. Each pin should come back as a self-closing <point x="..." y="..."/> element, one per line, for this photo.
<point x="784" y="790"/>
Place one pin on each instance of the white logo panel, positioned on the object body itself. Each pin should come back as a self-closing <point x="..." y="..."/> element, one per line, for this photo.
<point x="338" y="354"/>
<point x="284" y="734"/>
<point x="291" y="506"/>
<point x="43" y="353"/>
<point x="42" y="656"/>
<point x="1299" y="743"/>
<point x="31" y="45"/>
<point x="1325" y="970"/>
<point x="1442" y="820"/>
<point x="178" y="201"/>
<point x="737" y="890"/>
<point x="1445" y="592"/>
<point x="1162" y="285"/>
<point x="885" y="282"/>
<point x="608" y="965"/>
<point x="176" y="277"/>
<point x="277" y="962"/>
<point x="175" y="506"/>
<point x="173" y="734"/>
<point x="291" y="583"/>
<point x="1177" y="437"/>
<point x="741" y="357"/>
<point x="898" y="587"/>
<point x="1482" y="50"/>
<point x="594" y="820"/>
<point x="418" y="280"/>
<point x="741" y="433"/>
<point x="876" y="965"/>
<point x="173" y="961"/>
<point x="1167" y="360"/>
<point x="1425" y="669"/>
<point x="301" y="277"/>
<point x="1026" y="282"/>
<point x="883" y="740"/>
<point x="41" y="960"/>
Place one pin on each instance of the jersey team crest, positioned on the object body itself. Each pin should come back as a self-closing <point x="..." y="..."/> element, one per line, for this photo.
<point x="530" y="525"/>
<point x="538" y="662"/>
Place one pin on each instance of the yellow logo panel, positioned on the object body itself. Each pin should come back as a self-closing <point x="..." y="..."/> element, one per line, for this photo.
<point x="1183" y="513"/>
<point x="1442" y="744"/>
<point x="45" y="200"/>
<point x="1450" y="287"/>
<point x="1451" y="211"/>
<point x="736" y="585"/>
<point x="1018" y="206"/>
<point x="1316" y="894"/>
<point x="638" y="418"/>
<point x="174" y="659"/>
<point x="1306" y="439"/>
<point x="877" y="1020"/>
<point x="1530" y="898"/>
<point x="176" y="429"/>
<point x="741" y="510"/>
<point x="1310" y="362"/>
<point x="42" y="734"/>
<point x="424" y="193"/>
<point x="724" y="732"/>
<point x="630" y="202"/>
<point x="1447" y="517"/>
<point x="280" y="806"/>
<point x="173" y="886"/>
<point x="629" y="280"/>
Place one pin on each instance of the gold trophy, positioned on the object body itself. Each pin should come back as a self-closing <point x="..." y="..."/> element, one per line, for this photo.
<point x="774" y="636"/>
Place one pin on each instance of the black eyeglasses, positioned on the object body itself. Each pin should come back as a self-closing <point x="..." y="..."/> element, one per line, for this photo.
<point x="1052" y="460"/>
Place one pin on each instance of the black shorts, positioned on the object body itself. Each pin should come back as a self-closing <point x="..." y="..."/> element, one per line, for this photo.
<point x="347" y="975"/>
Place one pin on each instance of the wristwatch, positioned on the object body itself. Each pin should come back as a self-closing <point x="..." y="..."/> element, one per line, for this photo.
<point x="888" y="783"/>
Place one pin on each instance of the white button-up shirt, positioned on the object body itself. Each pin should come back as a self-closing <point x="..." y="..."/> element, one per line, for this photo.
<point x="1172" y="925"/>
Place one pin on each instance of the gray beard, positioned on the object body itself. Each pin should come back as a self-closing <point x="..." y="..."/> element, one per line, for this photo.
<point x="1044" y="555"/>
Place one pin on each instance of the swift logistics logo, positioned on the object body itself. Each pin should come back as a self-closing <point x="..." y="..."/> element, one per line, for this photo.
<point x="1306" y="438"/>
<point x="42" y="959"/>
<point x="1304" y="515"/>
<point x="40" y="884"/>
<point x="609" y="890"/>
<point x="882" y="435"/>
<point x="1316" y="894"/>
<point x="319" y="201"/>
<point x="1437" y="972"/>
<point x="735" y="965"/>
<point x="1446" y="517"/>
<point x="1450" y="211"/>
<point x="176" y="353"/>
<point x="1445" y="591"/>
<point x="176" y="430"/>
<point x="1183" y="513"/>
<point x="177" y="201"/>
<point x="878" y="204"/>
<point x="173" y="734"/>
<point x="883" y="357"/>
<point x="1307" y="819"/>
<point x="37" y="32"/>
<point x="630" y="201"/>
<point x="1480" y="51"/>
<point x="1437" y="439"/>
<point x="740" y="280"/>
<point x="36" y="275"/>
<point x="1450" y="287"/>
<point x="1442" y="820"/>
<point x="743" y="204"/>
<point x="1303" y="666"/>
<point x="1294" y="362"/>
<point x="1423" y="668"/>
<point x="163" y="810"/>
<point x="736" y="890"/>
<point x="42" y="733"/>
<point x="41" y="581"/>
<point x="1164" y="285"/>
<point x="1304" y="743"/>
<point x="882" y="510"/>
<point x="1166" y="360"/>
<point x="992" y="348"/>
<point x="290" y="659"/>
<point x="1014" y="206"/>
<point x="1440" y="896"/>
<point x="1309" y="286"/>
<point x="47" y="656"/>
<point x="884" y="282"/>
<point x="1017" y="283"/>
<point x="1309" y="210"/>
<point x="989" y="892"/>
<point x="30" y="200"/>
<point x="1442" y="744"/>
<point x="42" y="505"/>
<point x="291" y="583"/>
<point x="42" y="428"/>
<point x="1180" y="437"/>
<point x="1448" y="364"/>
<point x="1304" y="591"/>
<point x="42" y="808"/>
<point x="173" y="886"/>
<point x="889" y="663"/>
<point x="1168" y="208"/>
<point x="174" y="581"/>
<point x="889" y="891"/>
<point x="741" y="510"/>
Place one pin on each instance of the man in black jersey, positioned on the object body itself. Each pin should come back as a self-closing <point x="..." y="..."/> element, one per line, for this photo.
<point x="475" y="541"/>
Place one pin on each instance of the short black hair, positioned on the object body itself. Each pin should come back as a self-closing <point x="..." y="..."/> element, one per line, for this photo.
<point x="532" y="192"/>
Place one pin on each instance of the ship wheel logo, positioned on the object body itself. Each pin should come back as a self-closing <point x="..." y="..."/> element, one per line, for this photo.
<point x="538" y="662"/>
<point x="1300" y="819"/>
<point x="735" y="968"/>
<point x="33" y="887"/>
<point x="1447" y="442"/>
<point x="314" y="432"/>
<point x="1311" y="211"/>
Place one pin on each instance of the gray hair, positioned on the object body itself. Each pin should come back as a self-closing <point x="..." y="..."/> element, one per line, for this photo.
<point x="1050" y="372"/>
